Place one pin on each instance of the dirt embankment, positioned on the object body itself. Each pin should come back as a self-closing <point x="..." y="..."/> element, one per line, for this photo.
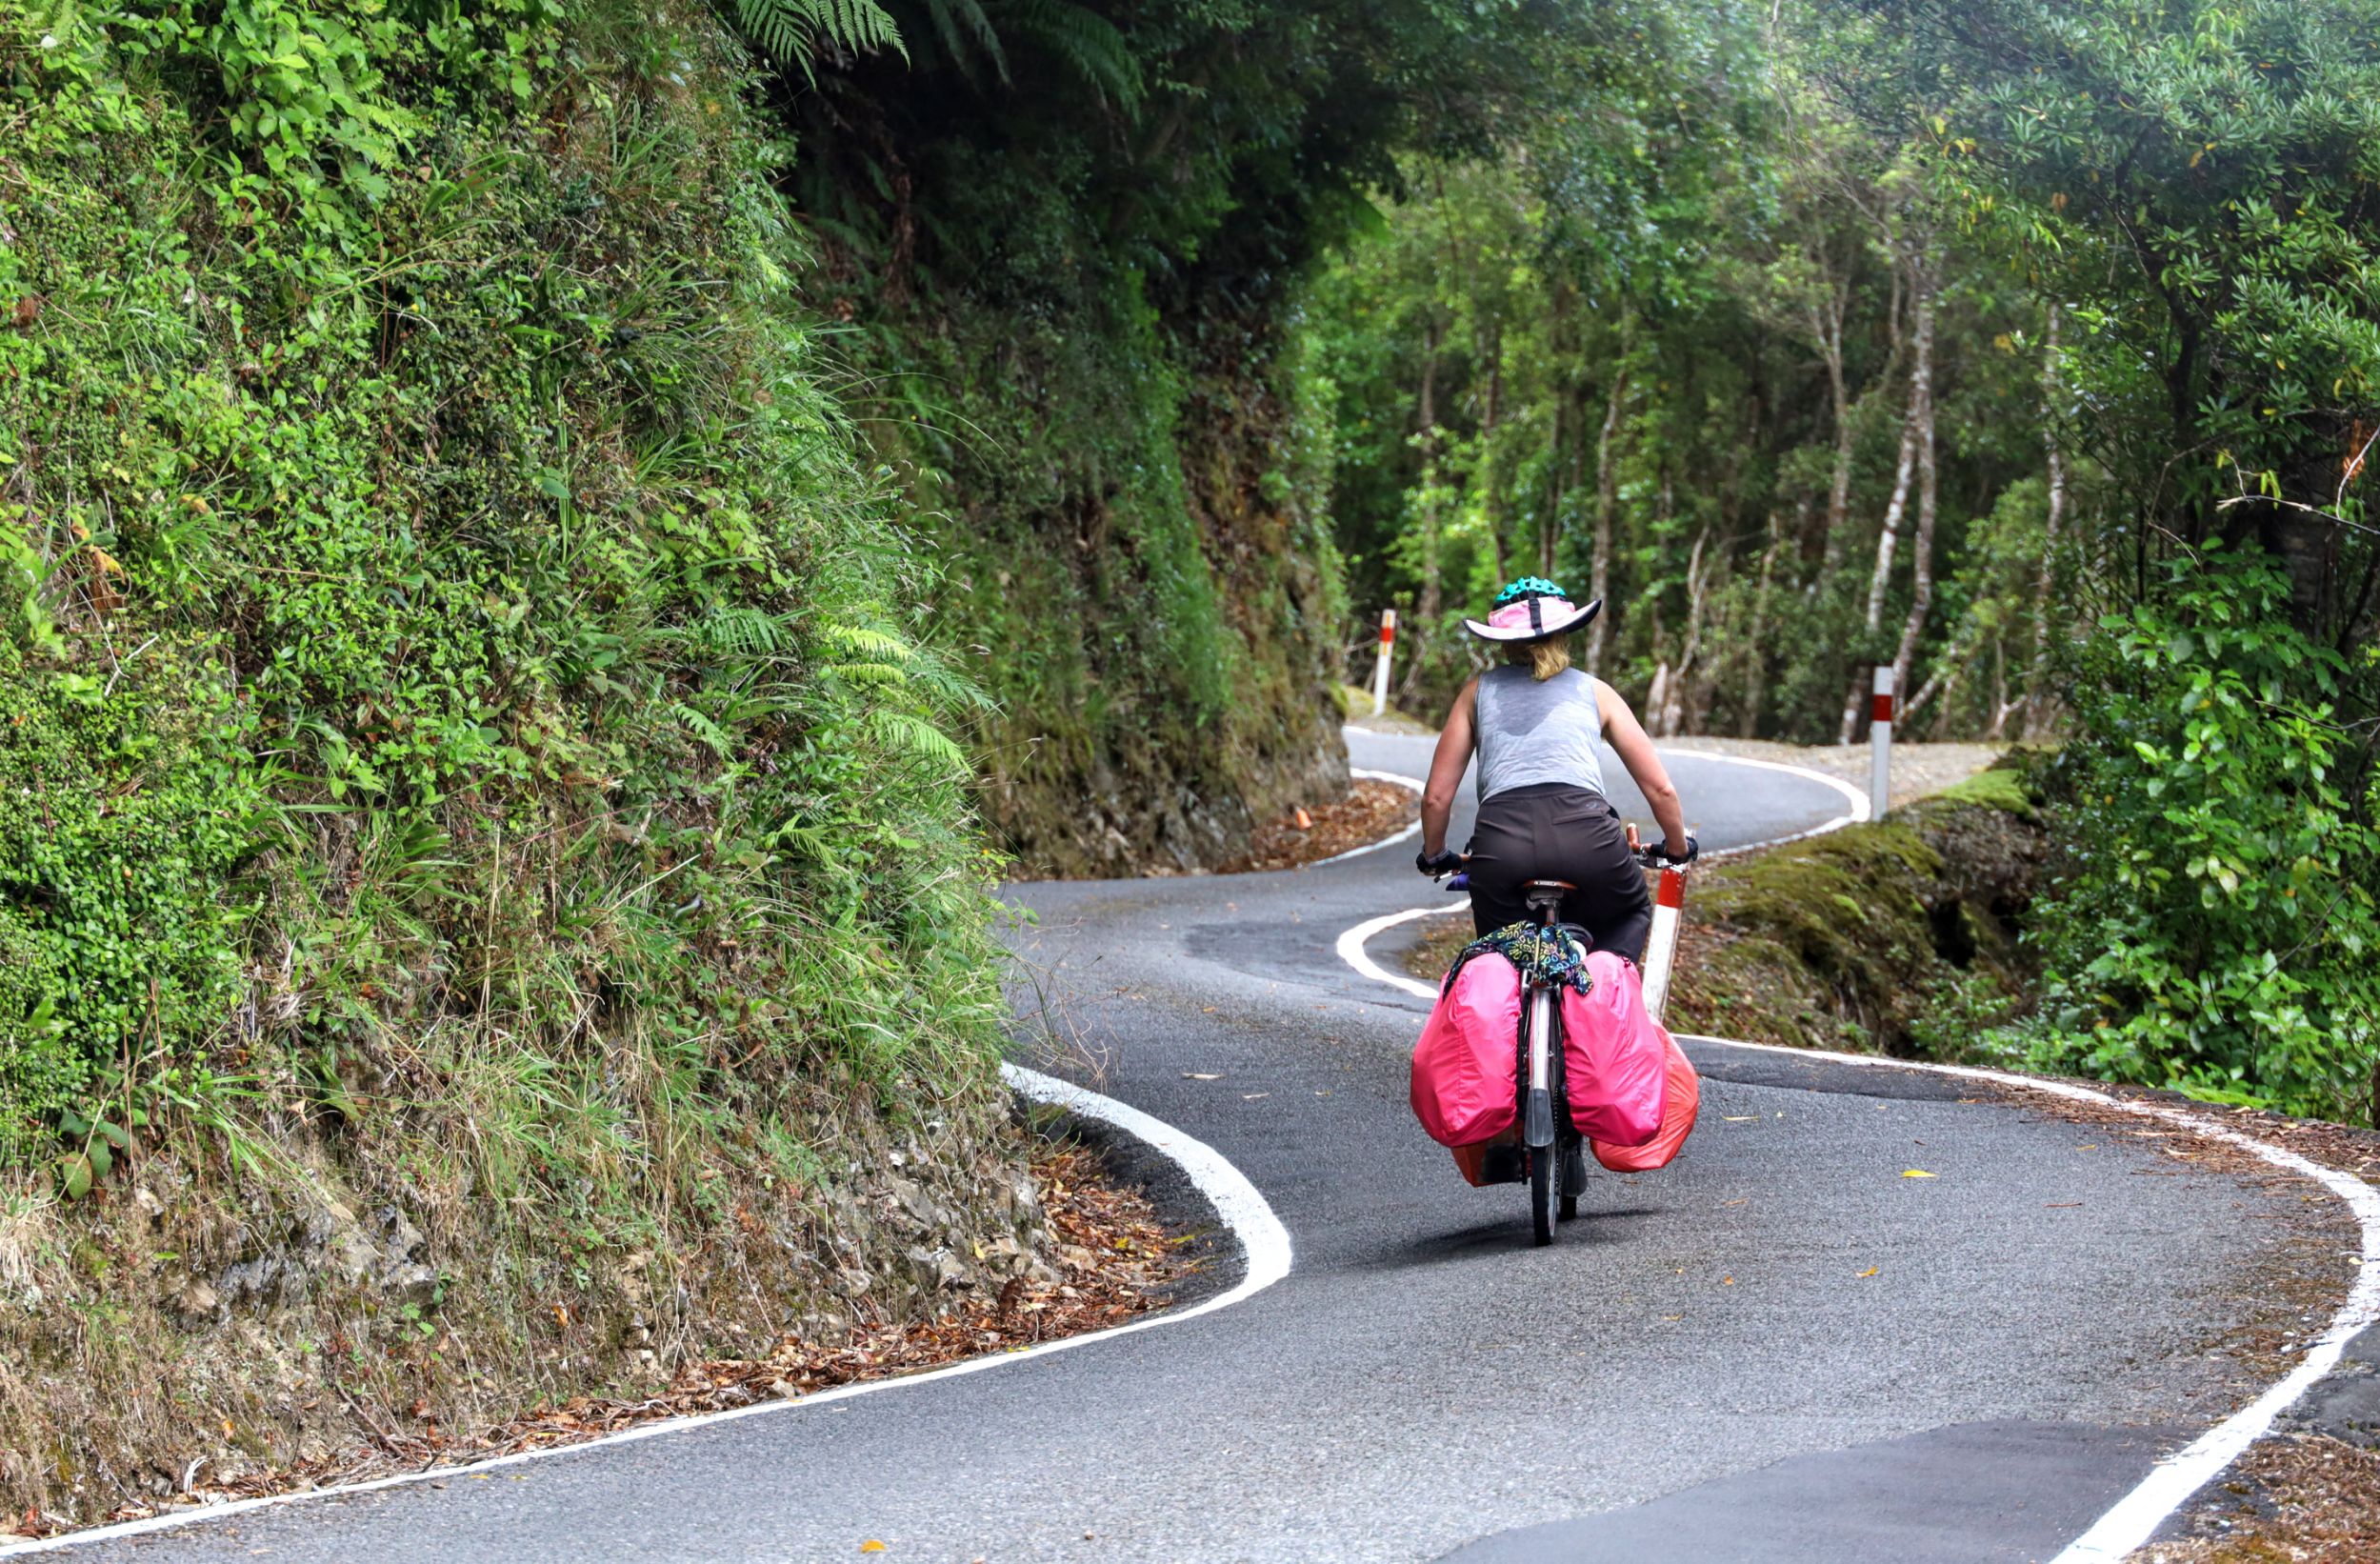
<point x="173" y="1341"/>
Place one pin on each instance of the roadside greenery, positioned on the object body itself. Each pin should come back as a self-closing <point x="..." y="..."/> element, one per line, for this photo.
<point x="2218" y="923"/>
<point x="487" y="874"/>
<point x="529" y="530"/>
<point x="457" y="671"/>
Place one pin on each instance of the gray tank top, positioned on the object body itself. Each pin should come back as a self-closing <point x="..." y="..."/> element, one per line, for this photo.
<point x="1531" y="732"/>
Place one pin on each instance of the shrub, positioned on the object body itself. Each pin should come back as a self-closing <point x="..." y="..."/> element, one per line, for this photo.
<point x="121" y="817"/>
<point x="2216" y="927"/>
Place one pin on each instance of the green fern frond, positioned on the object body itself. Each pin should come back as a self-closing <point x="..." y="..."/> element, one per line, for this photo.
<point x="955" y="20"/>
<point x="741" y="632"/>
<point x="867" y="641"/>
<point x="704" y="729"/>
<point x="1088" y="44"/>
<point x="882" y="674"/>
<point x="914" y="738"/>
<point x="790" y="31"/>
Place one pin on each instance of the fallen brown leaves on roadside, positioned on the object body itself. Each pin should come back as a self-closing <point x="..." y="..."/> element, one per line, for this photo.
<point x="1112" y="1260"/>
<point x="2300" y="1497"/>
<point x="1371" y="811"/>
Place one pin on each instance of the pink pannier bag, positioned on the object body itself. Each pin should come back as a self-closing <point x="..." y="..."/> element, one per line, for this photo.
<point x="1615" y="1055"/>
<point x="1677" y="1118"/>
<point x="1463" y="1066"/>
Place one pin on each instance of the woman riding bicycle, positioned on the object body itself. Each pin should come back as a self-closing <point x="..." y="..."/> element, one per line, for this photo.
<point x="1535" y="723"/>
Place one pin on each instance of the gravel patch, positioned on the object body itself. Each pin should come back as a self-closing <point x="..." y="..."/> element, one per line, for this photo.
<point x="1918" y="770"/>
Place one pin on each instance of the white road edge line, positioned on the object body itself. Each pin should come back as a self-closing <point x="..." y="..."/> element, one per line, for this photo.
<point x="1242" y="1210"/>
<point x="2136" y="1517"/>
<point x="1858" y="801"/>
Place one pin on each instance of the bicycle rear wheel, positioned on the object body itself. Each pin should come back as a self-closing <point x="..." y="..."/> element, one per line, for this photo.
<point x="1544" y="1176"/>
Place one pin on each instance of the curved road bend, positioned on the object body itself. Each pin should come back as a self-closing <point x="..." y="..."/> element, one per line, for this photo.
<point x="1779" y="1349"/>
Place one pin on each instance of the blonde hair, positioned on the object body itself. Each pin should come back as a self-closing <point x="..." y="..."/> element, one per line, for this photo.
<point x="1545" y="658"/>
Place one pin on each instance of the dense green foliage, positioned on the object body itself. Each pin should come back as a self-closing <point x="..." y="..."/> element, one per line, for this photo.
<point x="1070" y="241"/>
<point x="456" y="669"/>
<point x="443" y="616"/>
<point x="2196" y="181"/>
<point x="2218" y="927"/>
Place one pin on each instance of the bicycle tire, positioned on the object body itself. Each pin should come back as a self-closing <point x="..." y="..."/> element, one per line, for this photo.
<point x="1573" y="1183"/>
<point x="1544" y="1175"/>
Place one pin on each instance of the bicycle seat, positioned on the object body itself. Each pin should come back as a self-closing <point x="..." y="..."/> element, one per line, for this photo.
<point x="1544" y="896"/>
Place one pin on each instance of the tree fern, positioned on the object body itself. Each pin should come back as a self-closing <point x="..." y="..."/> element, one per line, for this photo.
<point x="1076" y="36"/>
<point x="793" y="31"/>
<point x="1088" y="44"/>
<point x="955" y="21"/>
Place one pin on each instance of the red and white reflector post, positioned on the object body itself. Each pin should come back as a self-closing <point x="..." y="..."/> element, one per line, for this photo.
<point x="1880" y="748"/>
<point x="1669" y="902"/>
<point x="1380" y="673"/>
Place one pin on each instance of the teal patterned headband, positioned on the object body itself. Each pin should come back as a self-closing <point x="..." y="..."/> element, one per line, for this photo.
<point x="1530" y="586"/>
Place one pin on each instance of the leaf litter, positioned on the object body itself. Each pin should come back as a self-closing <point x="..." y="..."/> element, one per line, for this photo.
<point x="1371" y="811"/>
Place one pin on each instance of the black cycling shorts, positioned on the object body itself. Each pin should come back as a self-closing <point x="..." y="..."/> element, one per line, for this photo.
<point x="1557" y="831"/>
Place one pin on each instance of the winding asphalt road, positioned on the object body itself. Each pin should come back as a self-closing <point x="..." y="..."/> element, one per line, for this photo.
<point x="1779" y="1349"/>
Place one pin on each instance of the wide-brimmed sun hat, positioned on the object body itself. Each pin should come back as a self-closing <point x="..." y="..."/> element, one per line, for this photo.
<point x="1533" y="609"/>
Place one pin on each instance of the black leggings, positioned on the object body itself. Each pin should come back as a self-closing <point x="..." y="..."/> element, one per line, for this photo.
<point x="1554" y="831"/>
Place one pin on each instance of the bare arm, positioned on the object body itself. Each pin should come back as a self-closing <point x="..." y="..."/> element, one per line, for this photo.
<point x="1626" y="738"/>
<point x="1445" y="769"/>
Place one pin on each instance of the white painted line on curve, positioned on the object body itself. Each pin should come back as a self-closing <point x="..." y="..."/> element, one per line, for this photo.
<point x="1854" y="814"/>
<point x="1351" y="947"/>
<point x="1352" y="943"/>
<point x="1241" y="1208"/>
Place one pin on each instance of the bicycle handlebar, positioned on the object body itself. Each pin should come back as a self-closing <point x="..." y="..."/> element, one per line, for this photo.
<point x="1651" y="855"/>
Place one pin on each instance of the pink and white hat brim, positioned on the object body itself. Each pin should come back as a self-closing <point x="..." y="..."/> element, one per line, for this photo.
<point x="1533" y="619"/>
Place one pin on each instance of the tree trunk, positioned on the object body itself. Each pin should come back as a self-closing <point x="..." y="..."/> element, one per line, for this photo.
<point x="1921" y="407"/>
<point x="1549" y="525"/>
<point x="1756" y="645"/>
<point x="1941" y="682"/>
<point x="1490" y="497"/>
<point x="1429" y="605"/>
<point x="1679" y="695"/>
<point x="1896" y="509"/>
<point x="2045" y="593"/>
<point x="1607" y="502"/>
<point x="1828" y="324"/>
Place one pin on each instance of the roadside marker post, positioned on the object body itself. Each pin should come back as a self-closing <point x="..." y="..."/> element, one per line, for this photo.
<point x="1668" y="903"/>
<point x="1880" y="748"/>
<point x="1380" y="673"/>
